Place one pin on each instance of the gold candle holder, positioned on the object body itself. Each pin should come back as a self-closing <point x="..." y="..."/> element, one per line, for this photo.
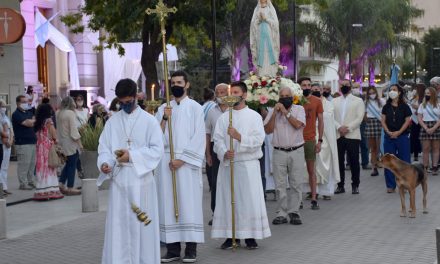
<point x="231" y="101"/>
<point x="152" y="105"/>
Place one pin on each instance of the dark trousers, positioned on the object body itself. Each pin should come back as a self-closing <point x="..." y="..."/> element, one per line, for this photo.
<point x="364" y="146"/>
<point x="212" y="172"/>
<point x="78" y="165"/>
<point x="175" y="248"/>
<point x="400" y="147"/>
<point x="263" y="170"/>
<point x="416" y="145"/>
<point x="351" y="147"/>
<point x="68" y="173"/>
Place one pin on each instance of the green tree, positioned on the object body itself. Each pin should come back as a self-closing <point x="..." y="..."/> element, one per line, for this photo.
<point x="124" y="21"/>
<point x="431" y="63"/>
<point x="381" y="22"/>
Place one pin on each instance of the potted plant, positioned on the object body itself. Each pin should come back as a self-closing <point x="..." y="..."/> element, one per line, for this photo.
<point x="90" y="140"/>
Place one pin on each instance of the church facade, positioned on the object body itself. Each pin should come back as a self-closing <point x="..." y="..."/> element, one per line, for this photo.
<point x="47" y="68"/>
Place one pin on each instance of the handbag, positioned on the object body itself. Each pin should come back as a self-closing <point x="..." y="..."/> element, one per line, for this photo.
<point x="56" y="156"/>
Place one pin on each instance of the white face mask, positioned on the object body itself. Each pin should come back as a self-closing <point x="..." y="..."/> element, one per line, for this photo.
<point x="393" y="94"/>
<point x="356" y="91"/>
<point x="79" y="103"/>
<point x="24" y="106"/>
<point x="373" y="96"/>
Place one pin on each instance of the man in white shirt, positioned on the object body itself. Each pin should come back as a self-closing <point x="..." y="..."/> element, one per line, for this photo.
<point x="287" y="121"/>
<point x="247" y="132"/>
<point x="212" y="161"/>
<point x="189" y="140"/>
<point x="349" y="113"/>
<point x="137" y="136"/>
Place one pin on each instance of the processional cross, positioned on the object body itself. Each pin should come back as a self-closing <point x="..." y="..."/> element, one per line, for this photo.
<point x="6" y="23"/>
<point x="162" y="12"/>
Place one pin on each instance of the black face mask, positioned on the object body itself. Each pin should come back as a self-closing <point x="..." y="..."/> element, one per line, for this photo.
<point x="306" y="92"/>
<point x="286" y="102"/>
<point x="427" y="98"/>
<point x="177" y="91"/>
<point x="345" y="89"/>
<point x="317" y="93"/>
<point x="326" y="94"/>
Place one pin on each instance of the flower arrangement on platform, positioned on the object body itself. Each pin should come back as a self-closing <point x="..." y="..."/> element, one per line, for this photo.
<point x="263" y="91"/>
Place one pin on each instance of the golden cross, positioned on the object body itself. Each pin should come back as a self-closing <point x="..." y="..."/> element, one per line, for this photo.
<point x="162" y="10"/>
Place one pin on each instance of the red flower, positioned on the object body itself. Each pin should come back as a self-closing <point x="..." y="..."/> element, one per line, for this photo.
<point x="263" y="83"/>
<point x="255" y="85"/>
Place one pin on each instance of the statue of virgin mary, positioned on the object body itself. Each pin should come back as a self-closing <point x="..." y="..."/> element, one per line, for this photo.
<point x="265" y="39"/>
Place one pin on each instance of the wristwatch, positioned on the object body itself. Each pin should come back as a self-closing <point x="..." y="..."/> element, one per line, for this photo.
<point x="288" y="115"/>
<point x="320" y="140"/>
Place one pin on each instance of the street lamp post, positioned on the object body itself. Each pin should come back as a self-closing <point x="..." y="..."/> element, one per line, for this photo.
<point x="351" y="47"/>
<point x="214" y="46"/>
<point x="432" y="60"/>
<point x="295" y="70"/>
<point x="415" y="62"/>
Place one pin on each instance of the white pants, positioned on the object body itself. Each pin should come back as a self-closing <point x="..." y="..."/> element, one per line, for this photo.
<point x="292" y="165"/>
<point x="5" y="167"/>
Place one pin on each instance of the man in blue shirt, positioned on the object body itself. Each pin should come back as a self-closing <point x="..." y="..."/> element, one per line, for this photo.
<point x="25" y="139"/>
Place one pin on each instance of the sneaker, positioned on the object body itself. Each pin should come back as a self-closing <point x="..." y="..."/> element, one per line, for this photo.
<point x="228" y="243"/>
<point x="340" y="190"/>
<point x="434" y="171"/>
<point x="355" y="190"/>
<point x="326" y="197"/>
<point x="375" y="172"/>
<point x="32" y="185"/>
<point x="251" y="243"/>
<point x="295" y="219"/>
<point x="72" y="191"/>
<point x="81" y="175"/>
<point x="279" y="220"/>
<point x="314" y="205"/>
<point x="301" y="206"/>
<point x="168" y="257"/>
<point x="189" y="258"/>
<point x="25" y="188"/>
<point x="6" y="192"/>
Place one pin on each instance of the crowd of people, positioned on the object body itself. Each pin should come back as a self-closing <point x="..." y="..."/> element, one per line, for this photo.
<point x="313" y="145"/>
<point x="34" y="128"/>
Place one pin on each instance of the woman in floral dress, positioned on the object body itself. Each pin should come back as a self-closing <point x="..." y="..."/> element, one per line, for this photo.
<point x="47" y="180"/>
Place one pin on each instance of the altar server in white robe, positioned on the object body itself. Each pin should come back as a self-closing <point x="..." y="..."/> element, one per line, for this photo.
<point x="138" y="137"/>
<point x="189" y="141"/>
<point x="327" y="162"/>
<point x="250" y="209"/>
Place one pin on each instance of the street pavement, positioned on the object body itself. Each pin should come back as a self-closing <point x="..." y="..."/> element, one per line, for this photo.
<point x="364" y="228"/>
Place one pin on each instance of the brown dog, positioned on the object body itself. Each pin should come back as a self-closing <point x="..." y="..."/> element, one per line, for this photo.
<point x="408" y="177"/>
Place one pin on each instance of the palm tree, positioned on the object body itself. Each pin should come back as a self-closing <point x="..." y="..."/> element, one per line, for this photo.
<point x="381" y="21"/>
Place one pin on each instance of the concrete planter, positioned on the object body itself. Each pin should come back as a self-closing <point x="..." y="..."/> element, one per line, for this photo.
<point x="88" y="162"/>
